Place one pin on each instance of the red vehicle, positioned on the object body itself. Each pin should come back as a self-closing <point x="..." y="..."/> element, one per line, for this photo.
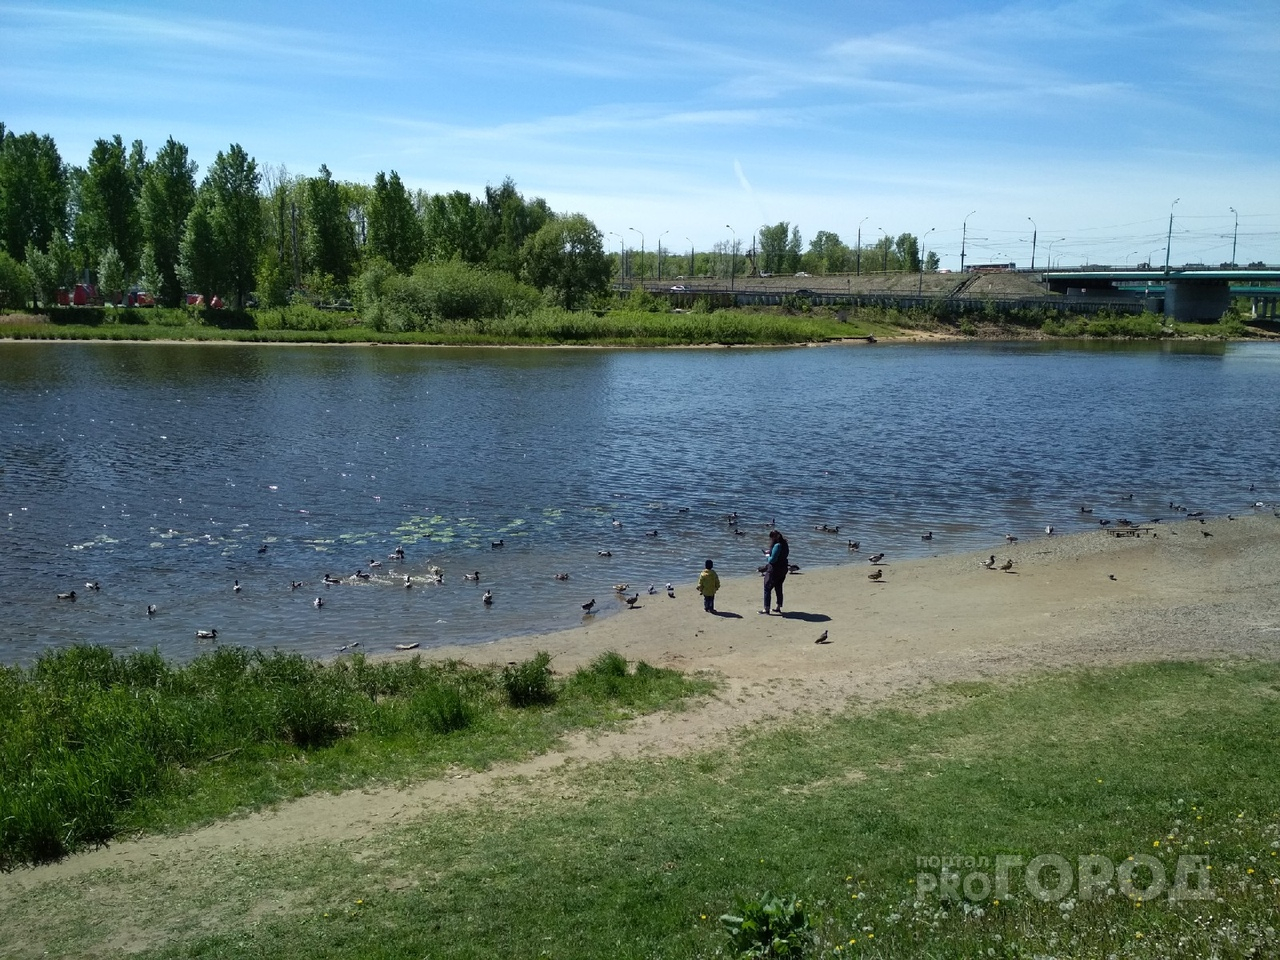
<point x="85" y="294"/>
<point x="197" y="300"/>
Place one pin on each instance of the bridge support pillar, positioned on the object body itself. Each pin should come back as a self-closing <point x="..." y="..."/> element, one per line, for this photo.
<point x="1196" y="301"/>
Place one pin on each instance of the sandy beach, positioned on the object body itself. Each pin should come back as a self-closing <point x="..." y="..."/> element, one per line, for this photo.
<point x="1175" y="590"/>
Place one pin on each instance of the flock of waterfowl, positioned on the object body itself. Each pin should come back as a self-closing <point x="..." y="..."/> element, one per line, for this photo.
<point x="435" y="574"/>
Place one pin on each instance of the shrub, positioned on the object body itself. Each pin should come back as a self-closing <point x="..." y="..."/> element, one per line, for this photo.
<point x="772" y="926"/>
<point x="528" y="684"/>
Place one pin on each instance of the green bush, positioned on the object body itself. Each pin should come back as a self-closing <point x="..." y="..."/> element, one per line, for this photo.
<point x="528" y="684"/>
<point x="440" y="293"/>
<point x="771" y="926"/>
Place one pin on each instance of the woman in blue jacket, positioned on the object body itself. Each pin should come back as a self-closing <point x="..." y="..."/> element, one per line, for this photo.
<point x="775" y="570"/>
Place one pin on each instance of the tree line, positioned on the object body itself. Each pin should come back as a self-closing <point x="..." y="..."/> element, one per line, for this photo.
<point x="247" y="232"/>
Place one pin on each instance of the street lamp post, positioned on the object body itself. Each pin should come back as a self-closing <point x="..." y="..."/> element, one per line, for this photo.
<point x="1168" y="240"/>
<point x="964" y="233"/>
<point x="660" y="236"/>
<point x="920" y="285"/>
<point x="733" y="255"/>
<point x="641" y="232"/>
<point x="858" y="253"/>
<point x="1234" y="234"/>
<point x="690" y="258"/>
<point x="1034" y="231"/>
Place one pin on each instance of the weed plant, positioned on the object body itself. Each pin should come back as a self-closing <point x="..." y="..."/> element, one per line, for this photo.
<point x="92" y="743"/>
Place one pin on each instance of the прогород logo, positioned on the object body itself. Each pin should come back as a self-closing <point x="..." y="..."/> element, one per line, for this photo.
<point x="1052" y="876"/>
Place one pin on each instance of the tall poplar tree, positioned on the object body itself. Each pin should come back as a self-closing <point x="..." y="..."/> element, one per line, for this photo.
<point x="168" y="194"/>
<point x="395" y="231"/>
<point x="109" y="212"/>
<point x="33" y="193"/>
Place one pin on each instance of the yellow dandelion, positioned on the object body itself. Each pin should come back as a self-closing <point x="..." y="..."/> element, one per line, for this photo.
<point x="853" y="897"/>
<point x="871" y="936"/>
<point x="853" y="939"/>
<point x="847" y="879"/>
<point x="1155" y="844"/>
<point x="995" y="903"/>
<point x="703" y="916"/>
<point x="1250" y="870"/>
<point x="1099" y="779"/>
<point x="1138" y="935"/>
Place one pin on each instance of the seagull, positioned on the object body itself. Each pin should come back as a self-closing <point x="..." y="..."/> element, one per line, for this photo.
<point x="295" y="584"/>
<point x="990" y="562"/>
<point x="632" y="601"/>
<point x="927" y="536"/>
<point x="92" y="585"/>
<point x="318" y="602"/>
<point x="854" y="544"/>
<point x="206" y="634"/>
<point x="67" y="596"/>
<point x="236" y="586"/>
<point x="652" y="589"/>
<point x="875" y="575"/>
<point x="586" y="607"/>
<point x="1007" y="565"/>
<point x="822" y="638"/>
<point x="151" y="609"/>
<point x="406" y="646"/>
<point x="875" y="558"/>
<point x="497" y="544"/>
<point x="474" y="577"/>
<point x="488" y="598"/>
<point x="669" y="587"/>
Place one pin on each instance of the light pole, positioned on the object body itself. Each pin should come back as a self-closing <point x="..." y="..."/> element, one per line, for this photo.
<point x="886" y="248"/>
<point x="1168" y="240"/>
<point x="622" y="254"/>
<point x="690" y="258"/>
<point x="1128" y="257"/>
<point x="964" y="233"/>
<point x="733" y="255"/>
<point x="641" y="232"/>
<point x="1034" y="230"/>
<point x="858" y="253"/>
<point x="1234" y="234"/>
<point x="660" y="236"/>
<point x="920" y="285"/>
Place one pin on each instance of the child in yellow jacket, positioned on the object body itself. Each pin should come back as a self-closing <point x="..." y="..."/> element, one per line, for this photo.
<point x="708" y="584"/>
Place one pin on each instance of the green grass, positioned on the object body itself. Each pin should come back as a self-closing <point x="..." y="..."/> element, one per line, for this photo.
<point x="93" y="745"/>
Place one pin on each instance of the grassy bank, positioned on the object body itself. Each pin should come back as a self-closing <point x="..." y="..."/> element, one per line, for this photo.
<point x="848" y="818"/>
<point x="93" y="745"/>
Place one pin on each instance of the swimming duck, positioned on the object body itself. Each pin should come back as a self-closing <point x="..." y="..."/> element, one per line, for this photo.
<point x="604" y="553"/>
<point x="295" y="584"/>
<point x="361" y="575"/>
<point x="875" y="575"/>
<point x="562" y="576"/>
<point x="617" y="523"/>
<point x="620" y="587"/>
<point x="318" y="602"/>
<point x="262" y="549"/>
<point x="408" y="581"/>
<point x="330" y="578"/>
<point x="927" y="536"/>
<point x="67" y="596"/>
<point x="236" y="586"/>
<point x="151" y="609"/>
<point x="473" y="577"/>
<point x="206" y="634"/>
<point x="651" y="533"/>
<point x="396" y="554"/>
<point x="497" y="544"/>
<point x="854" y="544"/>
<point x="435" y="571"/>
<point x="374" y="564"/>
<point x="488" y="598"/>
<point x="92" y="585"/>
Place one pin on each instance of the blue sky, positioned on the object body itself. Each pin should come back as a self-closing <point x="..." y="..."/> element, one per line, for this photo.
<point x="682" y="120"/>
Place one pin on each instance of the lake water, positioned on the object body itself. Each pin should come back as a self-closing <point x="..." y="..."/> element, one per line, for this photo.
<point x="161" y="471"/>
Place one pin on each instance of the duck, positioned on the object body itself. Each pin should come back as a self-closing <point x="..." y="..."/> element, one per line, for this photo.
<point x="793" y="568"/>
<point x="927" y="536"/>
<point x="362" y="575"/>
<point x="396" y="554"/>
<point x="497" y="544"/>
<point x="236" y="586"/>
<point x="1010" y="538"/>
<point x="876" y="558"/>
<point x="738" y="533"/>
<point x="604" y="553"/>
<point x="562" y="576"/>
<point x="651" y="533"/>
<point x="1086" y="509"/>
<point x="617" y="523"/>
<point x="473" y="577"/>
<point x="318" y="602"/>
<point x="1007" y="565"/>
<point x="488" y="598"/>
<point x="151" y="609"/>
<point x="408" y="582"/>
<point x="652" y="590"/>
<point x="92" y="585"/>
<point x="435" y="571"/>
<point x="671" y="591"/>
<point x="823" y="637"/>
<point x="586" y="607"/>
<point x="262" y="549"/>
<point x="1048" y="531"/>
<point x="854" y="544"/>
<point x="374" y="564"/>
<point x="330" y="578"/>
<point x="295" y="584"/>
<point x="71" y="595"/>
<point x="631" y="601"/>
<point x="990" y="562"/>
<point x="206" y="634"/>
<point x="406" y="646"/>
<point x="620" y="587"/>
<point x="875" y="575"/>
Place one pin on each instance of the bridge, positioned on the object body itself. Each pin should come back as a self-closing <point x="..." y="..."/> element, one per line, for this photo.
<point x="1187" y="295"/>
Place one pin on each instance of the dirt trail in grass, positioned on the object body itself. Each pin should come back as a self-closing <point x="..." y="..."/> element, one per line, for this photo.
<point x="1180" y="590"/>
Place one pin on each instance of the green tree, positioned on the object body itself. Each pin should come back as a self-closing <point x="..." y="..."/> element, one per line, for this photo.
<point x="331" y="241"/>
<point x="109" y="213"/>
<point x="566" y="259"/>
<point x="50" y="269"/>
<point x="15" y="283"/>
<point x="907" y="248"/>
<point x="111" y="276"/>
<point x="510" y="221"/>
<point x="33" y="193"/>
<point x="168" y="194"/>
<point x="455" y="228"/>
<point x="395" y="231"/>
<point x="234" y="214"/>
<point x="773" y="247"/>
<point x="200" y="259"/>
